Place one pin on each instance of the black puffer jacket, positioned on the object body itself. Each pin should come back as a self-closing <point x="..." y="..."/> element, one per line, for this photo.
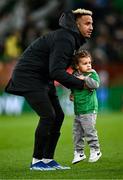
<point x="47" y="59"/>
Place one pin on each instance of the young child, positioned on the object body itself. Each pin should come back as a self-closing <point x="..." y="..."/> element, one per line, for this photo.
<point x="85" y="108"/>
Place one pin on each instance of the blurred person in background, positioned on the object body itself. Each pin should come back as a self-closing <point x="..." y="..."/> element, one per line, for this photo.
<point x="45" y="60"/>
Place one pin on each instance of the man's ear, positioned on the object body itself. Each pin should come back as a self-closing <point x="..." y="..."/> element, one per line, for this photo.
<point x="77" y="23"/>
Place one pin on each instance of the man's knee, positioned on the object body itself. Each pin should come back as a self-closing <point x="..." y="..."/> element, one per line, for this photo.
<point x="44" y="126"/>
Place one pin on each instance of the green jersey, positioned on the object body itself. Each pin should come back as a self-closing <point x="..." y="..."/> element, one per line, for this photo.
<point x="85" y="101"/>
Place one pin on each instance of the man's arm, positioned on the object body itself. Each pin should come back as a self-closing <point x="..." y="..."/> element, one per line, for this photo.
<point x="60" y="59"/>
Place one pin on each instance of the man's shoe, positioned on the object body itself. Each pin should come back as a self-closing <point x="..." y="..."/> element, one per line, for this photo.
<point x="94" y="155"/>
<point x="41" y="166"/>
<point x="54" y="164"/>
<point x="78" y="157"/>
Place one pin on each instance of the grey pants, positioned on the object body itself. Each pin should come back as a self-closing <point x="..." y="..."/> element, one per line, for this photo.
<point x="84" y="129"/>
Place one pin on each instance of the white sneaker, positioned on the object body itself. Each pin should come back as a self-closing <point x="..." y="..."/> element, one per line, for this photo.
<point x="78" y="157"/>
<point x="94" y="155"/>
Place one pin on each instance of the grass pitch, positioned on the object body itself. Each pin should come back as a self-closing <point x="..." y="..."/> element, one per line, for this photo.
<point x="16" y="144"/>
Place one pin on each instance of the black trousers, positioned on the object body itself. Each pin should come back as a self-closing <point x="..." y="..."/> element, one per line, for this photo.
<point x="46" y="104"/>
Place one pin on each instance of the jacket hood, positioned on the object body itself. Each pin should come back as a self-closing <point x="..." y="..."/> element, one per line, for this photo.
<point x="67" y="21"/>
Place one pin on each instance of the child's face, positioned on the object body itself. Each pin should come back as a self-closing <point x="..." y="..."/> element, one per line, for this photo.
<point x="84" y="64"/>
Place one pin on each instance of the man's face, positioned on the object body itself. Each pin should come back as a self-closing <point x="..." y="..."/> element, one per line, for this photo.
<point x="85" y="25"/>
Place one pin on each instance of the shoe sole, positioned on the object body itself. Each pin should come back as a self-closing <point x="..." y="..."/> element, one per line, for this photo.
<point x="62" y="168"/>
<point x="42" y="169"/>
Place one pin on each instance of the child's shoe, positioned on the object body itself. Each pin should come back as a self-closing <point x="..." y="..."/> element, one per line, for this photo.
<point x="94" y="155"/>
<point x="78" y="157"/>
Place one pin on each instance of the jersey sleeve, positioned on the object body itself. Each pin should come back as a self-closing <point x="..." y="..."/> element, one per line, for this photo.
<point x="92" y="80"/>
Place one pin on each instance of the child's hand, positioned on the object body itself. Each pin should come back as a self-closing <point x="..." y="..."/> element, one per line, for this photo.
<point x="91" y="70"/>
<point x="71" y="97"/>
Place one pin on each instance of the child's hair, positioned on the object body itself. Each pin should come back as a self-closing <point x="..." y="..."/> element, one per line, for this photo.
<point x="77" y="55"/>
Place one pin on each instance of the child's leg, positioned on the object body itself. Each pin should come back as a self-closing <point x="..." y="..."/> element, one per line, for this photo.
<point x="88" y="123"/>
<point x="78" y="135"/>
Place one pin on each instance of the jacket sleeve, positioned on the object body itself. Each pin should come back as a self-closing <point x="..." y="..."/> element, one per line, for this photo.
<point x="60" y="59"/>
<point x="93" y="80"/>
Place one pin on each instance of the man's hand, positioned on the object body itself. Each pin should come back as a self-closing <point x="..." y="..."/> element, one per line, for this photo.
<point x="81" y="77"/>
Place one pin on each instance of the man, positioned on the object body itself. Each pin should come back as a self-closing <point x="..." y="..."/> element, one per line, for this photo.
<point x="44" y="61"/>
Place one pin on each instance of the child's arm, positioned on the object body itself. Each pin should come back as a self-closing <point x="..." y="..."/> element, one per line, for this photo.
<point x="91" y="83"/>
<point x="91" y="80"/>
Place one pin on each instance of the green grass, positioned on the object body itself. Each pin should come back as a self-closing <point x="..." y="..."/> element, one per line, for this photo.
<point x="16" y="144"/>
